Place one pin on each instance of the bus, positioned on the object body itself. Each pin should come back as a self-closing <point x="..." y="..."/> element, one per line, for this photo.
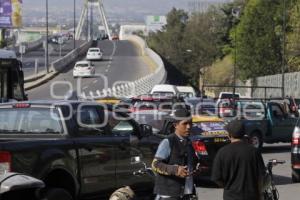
<point x="11" y="77"/>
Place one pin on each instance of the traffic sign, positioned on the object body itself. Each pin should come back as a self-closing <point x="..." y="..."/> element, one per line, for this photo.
<point x="60" y="40"/>
<point x="22" y="49"/>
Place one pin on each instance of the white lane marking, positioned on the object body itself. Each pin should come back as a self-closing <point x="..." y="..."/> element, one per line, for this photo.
<point x="95" y="81"/>
<point x="84" y="88"/>
<point x="106" y="70"/>
<point x="114" y="49"/>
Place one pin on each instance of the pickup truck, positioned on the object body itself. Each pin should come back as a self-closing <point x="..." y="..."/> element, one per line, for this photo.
<point x="80" y="150"/>
<point x="265" y="122"/>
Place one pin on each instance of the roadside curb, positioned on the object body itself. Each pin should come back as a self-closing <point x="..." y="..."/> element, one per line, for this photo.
<point x="40" y="81"/>
<point x="33" y="78"/>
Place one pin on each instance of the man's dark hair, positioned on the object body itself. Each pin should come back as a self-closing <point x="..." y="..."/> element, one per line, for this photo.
<point x="235" y="128"/>
<point x="181" y="114"/>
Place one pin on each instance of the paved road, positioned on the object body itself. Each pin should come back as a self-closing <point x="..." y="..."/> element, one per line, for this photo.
<point x="282" y="173"/>
<point x="39" y="54"/>
<point x="121" y="62"/>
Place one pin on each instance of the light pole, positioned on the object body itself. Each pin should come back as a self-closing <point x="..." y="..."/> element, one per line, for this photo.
<point x="283" y="48"/>
<point x="46" y="43"/>
<point x="235" y="13"/>
<point x="74" y="21"/>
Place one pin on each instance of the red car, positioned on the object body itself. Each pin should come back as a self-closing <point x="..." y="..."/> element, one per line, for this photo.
<point x="115" y="37"/>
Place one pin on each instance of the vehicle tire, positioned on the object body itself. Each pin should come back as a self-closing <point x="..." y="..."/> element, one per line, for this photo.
<point x="124" y="193"/>
<point x="256" y="140"/>
<point x="295" y="176"/>
<point x="57" y="194"/>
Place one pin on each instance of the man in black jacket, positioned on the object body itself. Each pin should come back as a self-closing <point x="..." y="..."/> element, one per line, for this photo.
<point x="173" y="162"/>
<point x="239" y="167"/>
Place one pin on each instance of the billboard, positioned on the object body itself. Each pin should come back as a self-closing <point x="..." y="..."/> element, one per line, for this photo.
<point x="10" y="13"/>
<point x="155" y="23"/>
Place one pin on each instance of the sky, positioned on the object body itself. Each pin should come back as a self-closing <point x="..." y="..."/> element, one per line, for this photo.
<point x="114" y="8"/>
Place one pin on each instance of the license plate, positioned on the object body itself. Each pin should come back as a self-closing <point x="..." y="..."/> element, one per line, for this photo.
<point x="217" y="140"/>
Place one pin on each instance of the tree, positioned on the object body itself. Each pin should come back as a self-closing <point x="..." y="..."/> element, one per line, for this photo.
<point x="258" y="45"/>
<point x="293" y="37"/>
<point x="201" y="40"/>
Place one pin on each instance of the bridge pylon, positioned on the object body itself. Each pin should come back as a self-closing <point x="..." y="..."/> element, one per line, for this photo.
<point x="85" y="13"/>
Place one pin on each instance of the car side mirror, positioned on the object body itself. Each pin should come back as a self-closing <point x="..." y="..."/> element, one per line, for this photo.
<point x="146" y="130"/>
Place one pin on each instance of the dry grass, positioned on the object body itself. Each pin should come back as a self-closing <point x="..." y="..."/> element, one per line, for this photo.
<point x="220" y="73"/>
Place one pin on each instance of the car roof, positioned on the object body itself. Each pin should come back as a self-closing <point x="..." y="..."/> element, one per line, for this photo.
<point x="49" y="102"/>
<point x="7" y="54"/>
<point x="185" y="89"/>
<point x="94" y="48"/>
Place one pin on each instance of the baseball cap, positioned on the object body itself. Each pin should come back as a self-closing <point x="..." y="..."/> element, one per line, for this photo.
<point x="181" y="114"/>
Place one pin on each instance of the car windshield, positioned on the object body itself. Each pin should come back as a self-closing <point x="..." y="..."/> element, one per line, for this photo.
<point x="30" y="121"/>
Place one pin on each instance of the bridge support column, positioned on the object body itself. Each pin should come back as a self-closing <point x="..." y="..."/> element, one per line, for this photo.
<point x="84" y="14"/>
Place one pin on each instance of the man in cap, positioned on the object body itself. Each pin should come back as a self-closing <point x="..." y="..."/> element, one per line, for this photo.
<point x="174" y="160"/>
<point x="239" y="167"/>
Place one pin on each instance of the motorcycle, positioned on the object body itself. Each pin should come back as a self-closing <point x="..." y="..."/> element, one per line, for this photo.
<point x="149" y="172"/>
<point x="270" y="191"/>
<point x="15" y="186"/>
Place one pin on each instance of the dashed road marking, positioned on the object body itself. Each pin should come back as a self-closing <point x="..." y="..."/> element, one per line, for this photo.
<point x="95" y="81"/>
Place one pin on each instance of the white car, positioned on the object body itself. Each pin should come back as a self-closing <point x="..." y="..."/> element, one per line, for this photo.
<point x="83" y="69"/>
<point x="186" y="91"/>
<point x="94" y="54"/>
<point x="164" y="90"/>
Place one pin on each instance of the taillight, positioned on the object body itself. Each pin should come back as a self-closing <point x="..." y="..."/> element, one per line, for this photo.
<point x="200" y="147"/>
<point x="296" y="136"/>
<point x="5" y="162"/>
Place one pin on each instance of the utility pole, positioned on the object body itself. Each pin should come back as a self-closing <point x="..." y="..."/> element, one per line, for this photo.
<point x="235" y="13"/>
<point x="47" y="33"/>
<point x="283" y="48"/>
<point x="74" y="21"/>
<point x="91" y="23"/>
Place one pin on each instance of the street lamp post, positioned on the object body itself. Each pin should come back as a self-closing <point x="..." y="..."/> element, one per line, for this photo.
<point x="74" y="21"/>
<point x="235" y="13"/>
<point x="46" y="43"/>
<point x="283" y="49"/>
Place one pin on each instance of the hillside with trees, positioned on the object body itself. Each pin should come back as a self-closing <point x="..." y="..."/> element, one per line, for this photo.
<point x="260" y="39"/>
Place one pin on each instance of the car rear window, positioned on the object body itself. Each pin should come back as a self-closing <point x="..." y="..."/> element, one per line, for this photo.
<point x="229" y="96"/>
<point x="82" y="65"/>
<point x="94" y="50"/>
<point x="30" y="121"/>
<point x="208" y="128"/>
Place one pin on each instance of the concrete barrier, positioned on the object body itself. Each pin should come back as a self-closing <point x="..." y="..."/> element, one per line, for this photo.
<point x="56" y="67"/>
<point x="61" y="63"/>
